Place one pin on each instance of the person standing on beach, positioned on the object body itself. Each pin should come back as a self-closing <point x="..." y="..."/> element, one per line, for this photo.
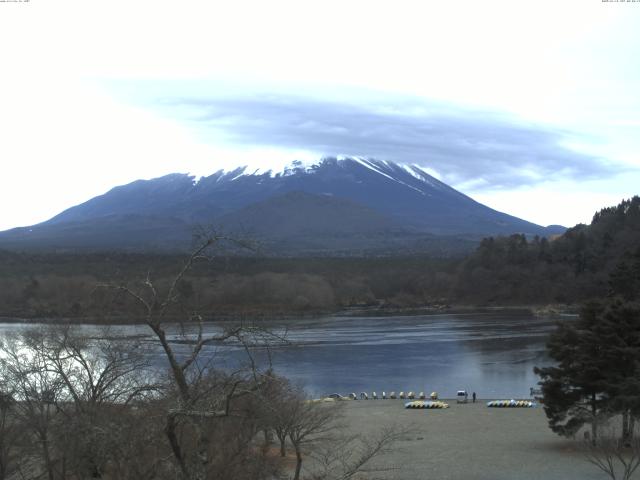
<point x="473" y="396"/>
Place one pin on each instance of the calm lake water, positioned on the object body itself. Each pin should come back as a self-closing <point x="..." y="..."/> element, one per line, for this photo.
<point x="492" y="354"/>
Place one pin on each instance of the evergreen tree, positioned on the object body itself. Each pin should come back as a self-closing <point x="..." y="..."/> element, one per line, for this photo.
<point x="625" y="279"/>
<point x="619" y="331"/>
<point x="598" y="369"/>
<point x="574" y="389"/>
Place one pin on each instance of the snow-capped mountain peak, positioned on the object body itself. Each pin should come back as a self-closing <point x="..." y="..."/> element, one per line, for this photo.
<point x="347" y="201"/>
<point x="270" y="170"/>
<point x="403" y="174"/>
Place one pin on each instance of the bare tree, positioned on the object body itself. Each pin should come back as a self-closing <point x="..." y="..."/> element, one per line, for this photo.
<point x="10" y="435"/>
<point x="311" y="422"/>
<point x="139" y="450"/>
<point x="201" y="397"/>
<point x="347" y="456"/>
<point x="315" y="432"/>
<point x="278" y="399"/>
<point x="71" y="395"/>
<point x="101" y="377"/>
<point x="95" y="370"/>
<point x="617" y="458"/>
<point x="36" y="392"/>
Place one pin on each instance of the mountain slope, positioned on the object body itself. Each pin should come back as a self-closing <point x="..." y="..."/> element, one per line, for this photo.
<point x="128" y="232"/>
<point x="299" y="213"/>
<point x="348" y="197"/>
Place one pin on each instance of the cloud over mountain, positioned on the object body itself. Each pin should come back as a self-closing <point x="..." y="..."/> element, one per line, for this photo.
<point x="472" y="148"/>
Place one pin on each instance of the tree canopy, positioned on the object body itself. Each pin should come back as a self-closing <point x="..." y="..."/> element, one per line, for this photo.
<point x="597" y="371"/>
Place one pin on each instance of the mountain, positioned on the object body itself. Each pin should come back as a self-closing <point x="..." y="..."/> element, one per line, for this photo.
<point x="345" y="205"/>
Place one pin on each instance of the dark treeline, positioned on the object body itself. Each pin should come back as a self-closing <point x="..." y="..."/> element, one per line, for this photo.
<point x="594" y="380"/>
<point x="49" y="285"/>
<point x="513" y="270"/>
<point x="572" y="268"/>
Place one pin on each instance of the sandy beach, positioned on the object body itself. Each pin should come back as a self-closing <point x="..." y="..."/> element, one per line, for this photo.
<point x="470" y="441"/>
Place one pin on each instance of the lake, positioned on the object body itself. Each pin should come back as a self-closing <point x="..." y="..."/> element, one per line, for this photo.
<point x="491" y="353"/>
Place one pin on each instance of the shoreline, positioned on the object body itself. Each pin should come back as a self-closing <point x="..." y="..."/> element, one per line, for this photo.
<point x="534" y="310"/>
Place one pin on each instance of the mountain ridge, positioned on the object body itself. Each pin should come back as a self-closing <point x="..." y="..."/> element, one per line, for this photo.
<point x="362" y="196"/>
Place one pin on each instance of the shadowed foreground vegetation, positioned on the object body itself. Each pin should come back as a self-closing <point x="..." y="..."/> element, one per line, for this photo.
<point x="73" y="407"/>
<point x="77" y="407"/>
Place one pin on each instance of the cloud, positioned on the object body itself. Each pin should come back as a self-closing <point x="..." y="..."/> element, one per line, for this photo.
<point x="476" y="149"/>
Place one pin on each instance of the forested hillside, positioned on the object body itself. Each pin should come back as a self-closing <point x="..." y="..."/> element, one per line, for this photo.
<point x="571" y="268"/>
<point x="502" y="271"/>
<point x="51" y="285"/>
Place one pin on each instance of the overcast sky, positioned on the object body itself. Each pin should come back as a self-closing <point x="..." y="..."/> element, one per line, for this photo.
<point x="531" y="107"/>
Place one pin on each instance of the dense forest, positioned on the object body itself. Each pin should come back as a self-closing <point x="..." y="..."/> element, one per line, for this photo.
<point x="513" y="270"/>
<point x="571" y="268"/>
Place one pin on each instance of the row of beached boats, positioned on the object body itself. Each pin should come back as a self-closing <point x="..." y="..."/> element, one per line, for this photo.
<point x="494" y="403"/>
<point x="511" y="404"/>
<point x="420" y="400"/>
<point x="384" y="396"/>
<point x="426" y="404"/>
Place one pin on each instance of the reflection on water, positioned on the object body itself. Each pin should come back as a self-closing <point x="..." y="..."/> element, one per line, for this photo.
<point x="492" y="354"/>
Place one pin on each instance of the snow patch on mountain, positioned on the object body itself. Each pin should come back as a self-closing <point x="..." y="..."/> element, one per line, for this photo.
<point x="291" y="168"/>
<point x="395" y="172"/>
<point x="368" y="164"/>
<point x="392" y="168"/>
<point x="417" y="172"/>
